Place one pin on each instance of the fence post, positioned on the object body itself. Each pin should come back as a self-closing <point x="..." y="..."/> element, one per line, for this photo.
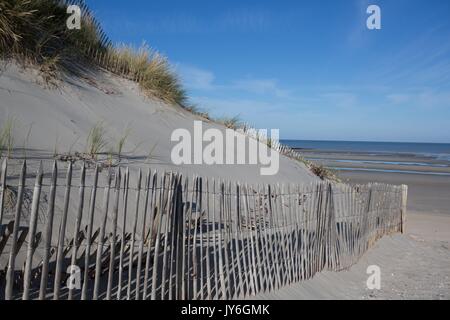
<point x="124" y="234"/>
<point x="113" y="234"/>
<point x="12" y="254"/>
<point x="101" y="240"/>
<point x="62" y="233"/>
<point x="87" y="251"/>
<point x="403" y="209"/>
<point x="48" y="233"/>
<point x="79" y="217"/>
<point x="3" y="181"/>
<point x="32" y="232"/>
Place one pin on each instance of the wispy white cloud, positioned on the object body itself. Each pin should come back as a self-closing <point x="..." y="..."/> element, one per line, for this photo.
<point x="261" y="86"/>
<point x="424" y="98"/>
<point x="340" y="99"/>
<point x="244" y="20"/>
<point x="398" y="98"/>
<point x="196" y="78"/>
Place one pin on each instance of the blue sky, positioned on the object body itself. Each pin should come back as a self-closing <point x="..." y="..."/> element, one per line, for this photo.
<point x="310" y="68"/>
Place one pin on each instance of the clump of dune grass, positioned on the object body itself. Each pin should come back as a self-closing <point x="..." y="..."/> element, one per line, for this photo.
<point x="231" y="123"/>
<point x="34" y="32"/>
<point x="151" y="70"/>
<point x="96" y="140"/>
<point x="322" y="172"/>
<point x="7" y="137"/>
<point x="122" y="141"/>
<point x="319" y="170"/>
<point x="194" y="109"/>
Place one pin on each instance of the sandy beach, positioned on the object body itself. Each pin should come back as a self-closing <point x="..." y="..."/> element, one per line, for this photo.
<point x="413" y="265"/>
<point x="428" y="178"/>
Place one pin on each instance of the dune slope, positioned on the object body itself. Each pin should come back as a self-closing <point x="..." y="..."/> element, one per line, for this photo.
<point x="61" y="118"/>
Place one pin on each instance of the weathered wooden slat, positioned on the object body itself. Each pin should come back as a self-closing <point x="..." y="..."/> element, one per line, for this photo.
<point x="173" y="231"/>
<point x="237" y="243"/>
<point x="123" y="236"/>
<point x="101" y="240"/>
<point x="215" y="241"/>
<point x="179" y="223"/>
<point x="200" y="228"/>
<point x="133" y="237"/>
<point x="3" y="173"/>
<point x="32" y="232"/>
<point x="143" y="231"/>
<point x="150" y="233"/>
<point x="220" y="242"/>
<point x="268" y="261"/>
<point x="78" y="224"/>
<point x="194" y="241"/>
<point x="158" y="236"/>
<point x="89" y="240"/>
<point x="273" y="238"/>
<point x="257" y="240"/>
<point x="189" y="241"/>
<point x="252" y="266"/>
<point x="404" y="199"/>
<point x="168" y="211"/>
<point x="48" y="233"/>
<point x="208" y="245"/>
<point x="113" y="235"/>
<point x="184" y="273"/>
<point x="62" y="235"/>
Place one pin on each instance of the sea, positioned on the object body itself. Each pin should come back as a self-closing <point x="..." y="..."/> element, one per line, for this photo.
<point x="438" y="151"/>
<point x="417" y="156"/>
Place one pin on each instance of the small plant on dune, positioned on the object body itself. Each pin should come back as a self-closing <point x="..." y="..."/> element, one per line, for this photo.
<point x="96" y="141"/>
<point x="150" y="153"/>
<point x="73" y="144"/>
<point x="319" y="170"/>
<point x="7" y="137"/>
<point x="150" y="69"/>
<point x="55" y="147"/>
<point x="194" y="109"/>
<point x="25" y="142"/>
<point x="231" y="123"/>
<point x="110" y="160"/>
<point x="122" y="141"/>
<point x="322" y="172"/>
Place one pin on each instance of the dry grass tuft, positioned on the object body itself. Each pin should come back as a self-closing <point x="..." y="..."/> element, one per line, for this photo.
<point x="96" y="141"/>
<point x="231" y="123"/>
<point x="7" y="137"/>
<point x="34" y="32"/>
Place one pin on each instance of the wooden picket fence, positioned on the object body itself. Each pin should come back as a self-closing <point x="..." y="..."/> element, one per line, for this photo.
<point x="85" y="234"/>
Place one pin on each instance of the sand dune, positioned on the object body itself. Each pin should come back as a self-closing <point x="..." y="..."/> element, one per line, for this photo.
<point x="61" y="118"/>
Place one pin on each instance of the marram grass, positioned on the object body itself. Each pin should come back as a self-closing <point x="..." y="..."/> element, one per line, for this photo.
<point x="35" y="32"/>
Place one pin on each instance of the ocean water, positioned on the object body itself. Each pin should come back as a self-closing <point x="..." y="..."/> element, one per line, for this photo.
<point x="438" y="151"/>
<point x="420" y="156"/>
